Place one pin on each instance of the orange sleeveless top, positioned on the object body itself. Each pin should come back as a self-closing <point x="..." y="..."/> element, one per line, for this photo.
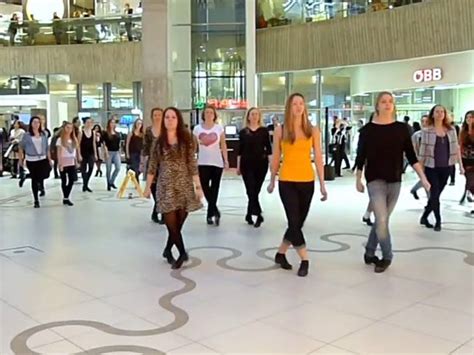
<point x="296" y="165"/>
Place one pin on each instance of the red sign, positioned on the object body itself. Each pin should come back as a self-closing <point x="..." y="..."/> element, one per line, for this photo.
<point x="228" y="104"/>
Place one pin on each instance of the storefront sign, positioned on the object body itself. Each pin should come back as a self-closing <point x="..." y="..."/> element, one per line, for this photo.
<point x="227" y="103"/>
<point x="427" y="75"/>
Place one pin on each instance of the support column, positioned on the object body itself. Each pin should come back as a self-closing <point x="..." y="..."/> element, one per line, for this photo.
<point x="250" y="52"/>
<point x="155" y="56"/>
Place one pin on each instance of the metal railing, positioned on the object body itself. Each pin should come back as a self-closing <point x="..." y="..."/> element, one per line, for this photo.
<point x="302" y="11"/>
<point x="125" y="28"/>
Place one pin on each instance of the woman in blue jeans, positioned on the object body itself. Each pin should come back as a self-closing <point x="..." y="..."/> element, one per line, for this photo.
<point x="382" y="145"/>
<point x="112" y="153"/>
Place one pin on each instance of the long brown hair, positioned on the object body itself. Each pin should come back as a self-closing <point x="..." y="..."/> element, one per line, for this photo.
<point x="379" y="97"/>
<point x="64" y="138"/>
<point x="446" y="119"/>
<point x="108" y="128"/>
<point x="289" y="133"/>
<point x="467" y="129"/>
<point x="135" y="124"/>
<point x="183" y="135"/>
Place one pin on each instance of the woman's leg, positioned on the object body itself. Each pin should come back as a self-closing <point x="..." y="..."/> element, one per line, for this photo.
<point x="305" y="196"/>
<point x="216" y="175"/>
<point x="117" y="163"/>
<point x="260" y="175"/>
<point x="64" y="182"/>
<point x="443" y="175"/>
<point x="248" y="176"/>
<point x="14" y="168"/>
<point x="174" y="223"/>
<point x="205" y="178"/>
<point x="108" y="168"/>
<point x="85" y="181"/>
<point x="432" y="177"/>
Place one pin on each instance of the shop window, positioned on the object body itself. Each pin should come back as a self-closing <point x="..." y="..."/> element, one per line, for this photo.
<point x="273" y="90"/>
<point x="33" y="85"/>
<point x="92" y="96"/>
<point x="8" y="85"/>
<point x="306" y="84"/>
<point x="121" y="95"/>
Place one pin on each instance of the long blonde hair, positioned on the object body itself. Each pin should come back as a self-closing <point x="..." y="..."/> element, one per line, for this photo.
<point x="247" y="115"/>
<point x="64" y="136"/>
<point x="289" y="133"/>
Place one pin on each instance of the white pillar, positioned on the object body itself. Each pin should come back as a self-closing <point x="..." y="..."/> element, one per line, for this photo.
<point x="250" y="52"/>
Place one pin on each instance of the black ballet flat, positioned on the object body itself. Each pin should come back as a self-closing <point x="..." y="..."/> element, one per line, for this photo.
<point x="367" y="221"/>
<point x="259" y="221"/>
<point x="248" y="219"/>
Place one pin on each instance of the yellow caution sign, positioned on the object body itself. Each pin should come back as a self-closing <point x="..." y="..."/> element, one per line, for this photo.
<point x="130" y="177"/>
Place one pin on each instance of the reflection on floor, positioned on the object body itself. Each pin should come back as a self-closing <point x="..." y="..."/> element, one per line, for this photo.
<point x="91" y="279"/>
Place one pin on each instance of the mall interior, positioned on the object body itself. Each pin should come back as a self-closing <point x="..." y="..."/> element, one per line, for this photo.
<point x="91" y="280"/>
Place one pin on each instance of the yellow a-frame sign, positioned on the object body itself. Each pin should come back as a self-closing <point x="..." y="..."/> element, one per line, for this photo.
<point x="130" y="177"/>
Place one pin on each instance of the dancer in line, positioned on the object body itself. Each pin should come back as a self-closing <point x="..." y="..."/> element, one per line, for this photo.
<point x="87" y="144"/>
<point x="212" y="159"/>
<point x="151" y="134"/>
<point x="134" y="146"/>
<point x="295" y="140"/>
<point x="439" y="152"/>
<point x="382" y="145"/>
<point x="416" y="141"/>
<point x="112" y="152"/>
<point x="179" y="190"/>
<point x="252" y="162"/>
<point x="466" y="141"/>
<point x="16" y="135"/>
<point x="69" y="158"/>
<point x="34" y="150"/>
<point x="100" y="150"/>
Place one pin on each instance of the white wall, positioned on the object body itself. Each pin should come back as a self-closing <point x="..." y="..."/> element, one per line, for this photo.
<point x="61" y="109"/>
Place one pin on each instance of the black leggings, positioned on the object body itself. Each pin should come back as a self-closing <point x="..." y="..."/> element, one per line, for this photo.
<point x="438" y="178"/>
<point x="174" y="221"/>
<point x="87" y="166"/>
<point x="67" y="180"/>
<point x="254" y="176"/>
<point x="296" y="198"/>
<point x="210" y="177"/>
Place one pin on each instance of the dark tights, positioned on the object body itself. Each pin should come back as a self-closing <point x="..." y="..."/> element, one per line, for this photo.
<point x="174" y="221"/>
<point x="36" y="187"/>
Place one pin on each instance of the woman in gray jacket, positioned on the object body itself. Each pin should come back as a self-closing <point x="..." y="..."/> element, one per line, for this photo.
<point x="34" y="150"/>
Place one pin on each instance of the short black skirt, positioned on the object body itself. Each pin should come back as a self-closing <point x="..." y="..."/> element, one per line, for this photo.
<point x="39" y="170"/>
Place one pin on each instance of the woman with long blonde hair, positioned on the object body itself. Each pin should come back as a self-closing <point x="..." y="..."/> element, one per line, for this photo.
<point x="254" y="154"/>
<point x="69" y="157"/>
<point x="295" y="140"/>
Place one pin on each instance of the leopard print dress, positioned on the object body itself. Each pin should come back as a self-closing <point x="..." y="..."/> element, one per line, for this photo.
<point x="175" y="188"/>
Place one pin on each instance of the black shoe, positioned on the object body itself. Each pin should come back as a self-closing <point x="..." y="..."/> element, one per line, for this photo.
<point x="100" y="173"/>
<point x="22" y="181"/>
<point x="42" y="193"/>
<point x="303" y="270"/>
<point x="248" y="219"/>
<point x="67" y="203"/>
<point x="217" y="218"/>
<point x="161" y="220"/>
<point x="154" y="217"/>
<point x="382" y="265"/>
<point x="210" y="221"/>
<point x="415" y="195"/>
<point x="84" y="189"/>
<point x="371" y="259"/>
<point x="113" y="186"/>
<point x="259" y="221"/>
<point x="37" y="204"/>
<point x="424" y="221"/>
<point x="57" y="177"/>
<point x="452" y="183"/>
<point x="88" y="190"/>
<point x="168" y="255"/>
<point x="437" y="227"/>
<point x="280" y="259"/>
<point x="178" y="263"/>
<point x="109" y="187"/>
<point x="367" y="221"/>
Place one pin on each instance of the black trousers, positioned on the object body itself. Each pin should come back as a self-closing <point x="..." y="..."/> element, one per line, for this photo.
<point x="452" y="174"/>
<point x="296" y="198"/>
<point x="210" y="177"/>
<point x="438" y="178"/>
<point x="254" y="176"/>
<point x="87" y="166"/>
<point x="67" y="180"/>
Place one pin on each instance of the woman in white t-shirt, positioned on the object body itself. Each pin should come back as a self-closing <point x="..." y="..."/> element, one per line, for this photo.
<point x="68" y="160"/>
<point x="212" y="159"/>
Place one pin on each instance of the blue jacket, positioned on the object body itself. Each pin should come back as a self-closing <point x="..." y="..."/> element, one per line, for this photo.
<point x="29" y="148"/>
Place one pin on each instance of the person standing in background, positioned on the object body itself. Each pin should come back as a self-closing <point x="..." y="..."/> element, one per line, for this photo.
<point x="128" y="12"/>
<point x="69" y="158"/>
<point x="54" y="151"/>
<point x="134" y="147"/>
<point x="151" y="134"/>
<point x="452" y="174"/>
<point x="16" y="135"/>
<point x="466" y="141"/>
<point x="416" y="141"/>
<point x="13" y="28"/>
<point x="212" y="159"/>
<point x="112" y="152"/>
<point x="100" y="149"/>
<point x="254" y="154"/>
<point x="88" y="149"/>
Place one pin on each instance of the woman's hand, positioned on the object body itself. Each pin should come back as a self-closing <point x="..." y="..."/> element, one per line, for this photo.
<point x="147" y="192"/>
<point x="461" y="169"/>
<point x="271" y="187"/>
<point x="426" y="185"/>
<point x="226" y="165"/>
<point x="324" y="193"/>
<point x="199" y="193"/>
<point x="238" y="171"/>
<point x="360" y="186"/>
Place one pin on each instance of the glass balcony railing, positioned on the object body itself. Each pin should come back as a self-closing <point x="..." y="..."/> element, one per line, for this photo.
<point x="287" y="12"/>
<point x="71" y="31"/>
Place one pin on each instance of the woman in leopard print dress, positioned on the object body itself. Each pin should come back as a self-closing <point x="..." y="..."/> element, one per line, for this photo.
<point x="178" y="188"/>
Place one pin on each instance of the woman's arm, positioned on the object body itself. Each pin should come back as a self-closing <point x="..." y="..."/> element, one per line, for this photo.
<point x="318" y="161"/>
<point x="152" y="167"/>
<point x="360" y="160"/>
<point x="224" y="151"/>
<point x="275" y="164"/>
<point x="127" y="143"/>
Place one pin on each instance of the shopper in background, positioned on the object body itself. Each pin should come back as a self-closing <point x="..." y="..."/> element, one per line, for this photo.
<point x="58" y="28"/>
<point x="295" y="140"/>
<point x="416" y="141"/>
<point x="134" y="147"/>
<point x="212" y="159"/>
<point x="179" y="191"/>
<point x="128" y="11"/>
<point x="439" y="152"/>
<point x="340" y="135"/>
<point x="3" y="139"/>
<point x="112" y="152"/>
<point x="151" y="134"/>
<point x="69" y="158"/>
<point x="13" y="28"/>
<point x="254" y="154"/>
<point x="54" y="151"/>
<point x="452" y="174"/>
<point x="88" y="148"/>
<point x="34" y="150"/>
<point x="382" y="145"/>
<point x="100" y="149"/>
<point x="466" y="141"/>
<point x="16" y="135"/>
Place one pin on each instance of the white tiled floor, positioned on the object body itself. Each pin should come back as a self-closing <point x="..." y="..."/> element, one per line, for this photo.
<point x="100" y="261"/>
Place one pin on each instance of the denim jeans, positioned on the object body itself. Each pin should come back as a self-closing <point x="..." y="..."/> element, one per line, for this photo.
<point x="114" y="158"/>
<point x="383" y="198"/>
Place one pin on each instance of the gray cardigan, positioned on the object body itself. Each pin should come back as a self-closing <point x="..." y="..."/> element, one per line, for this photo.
<point x="427" y="146"/>
<point x="29" y="148"/>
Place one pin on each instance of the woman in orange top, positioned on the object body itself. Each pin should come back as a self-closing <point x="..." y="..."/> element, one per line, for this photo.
<point x="295" y="140"/>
